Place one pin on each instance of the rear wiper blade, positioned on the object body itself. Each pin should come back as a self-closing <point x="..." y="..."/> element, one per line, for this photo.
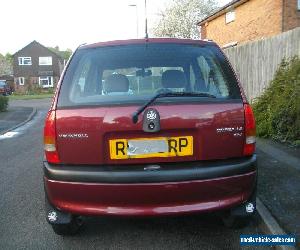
<point x="135" y="115"/>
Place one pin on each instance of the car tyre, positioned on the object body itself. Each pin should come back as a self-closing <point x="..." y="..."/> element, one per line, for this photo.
<point x="69" y="228"/>
<point x="236" y="222"/>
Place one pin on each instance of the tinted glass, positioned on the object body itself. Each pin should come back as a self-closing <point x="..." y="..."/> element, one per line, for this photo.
<point x="134" y="73"/>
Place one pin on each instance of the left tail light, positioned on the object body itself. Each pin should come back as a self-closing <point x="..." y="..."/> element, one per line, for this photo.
<point x="50" y="146"/>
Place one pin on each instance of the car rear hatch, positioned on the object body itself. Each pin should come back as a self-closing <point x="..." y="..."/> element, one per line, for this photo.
<point x="83" y="135"/>
<point x="94" y="125"/>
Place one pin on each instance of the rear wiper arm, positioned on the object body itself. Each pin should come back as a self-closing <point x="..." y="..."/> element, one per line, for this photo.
<point x="135" y="115"/>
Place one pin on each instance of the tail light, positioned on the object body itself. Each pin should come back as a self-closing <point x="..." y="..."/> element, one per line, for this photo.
<point x="250" y="131"/>
<point x="50" y="138"/>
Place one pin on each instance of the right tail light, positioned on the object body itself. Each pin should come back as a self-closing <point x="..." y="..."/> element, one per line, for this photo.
<point x="250" y="131"/>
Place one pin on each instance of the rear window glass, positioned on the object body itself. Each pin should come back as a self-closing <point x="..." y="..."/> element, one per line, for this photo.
<point x="134" y="73"/>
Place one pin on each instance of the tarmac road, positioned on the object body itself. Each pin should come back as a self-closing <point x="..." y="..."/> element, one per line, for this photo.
<point x="23" y="224"/>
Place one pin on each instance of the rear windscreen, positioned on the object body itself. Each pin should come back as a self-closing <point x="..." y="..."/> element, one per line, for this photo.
<point x="134" y="73"/>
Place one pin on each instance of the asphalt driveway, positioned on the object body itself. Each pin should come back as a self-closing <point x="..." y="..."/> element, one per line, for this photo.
<point x="23" y="224"/>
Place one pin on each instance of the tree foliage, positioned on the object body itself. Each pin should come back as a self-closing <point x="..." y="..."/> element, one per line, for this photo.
<point x="181" y="17"/>
<point x="9" y="58"/>
<point x="277" y="110"/>
<point x="6" y="64"/>
<point x="65" y="54"/>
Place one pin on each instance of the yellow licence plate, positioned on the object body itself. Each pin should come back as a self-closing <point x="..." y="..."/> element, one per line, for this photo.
<point x="151" y="147"/>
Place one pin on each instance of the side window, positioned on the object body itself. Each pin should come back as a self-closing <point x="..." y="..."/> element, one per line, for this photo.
<point x="213" y="77"/>
<point x="205" y="69"/>
<point x="80" y="79"/>
<point x="192" y="78"/>
<point x="209" y="84"/>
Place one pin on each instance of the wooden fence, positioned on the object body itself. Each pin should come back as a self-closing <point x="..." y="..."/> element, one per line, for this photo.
<point x="256" y="62"/>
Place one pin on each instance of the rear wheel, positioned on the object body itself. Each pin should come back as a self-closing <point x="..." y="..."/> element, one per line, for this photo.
<point x="69" y="228"/>
<point x="232" y="221"/>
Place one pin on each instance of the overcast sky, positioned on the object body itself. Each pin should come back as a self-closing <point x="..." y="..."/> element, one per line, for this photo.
<point x="69" y="23"/>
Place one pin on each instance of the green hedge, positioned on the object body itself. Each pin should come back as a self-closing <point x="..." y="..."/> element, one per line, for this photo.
<point x="3" y="103"/>
<point x="277" y="110"/>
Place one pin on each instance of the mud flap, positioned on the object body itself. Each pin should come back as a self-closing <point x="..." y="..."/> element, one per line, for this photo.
<point x="55" y="216"/>
<point x="247" y="208"/>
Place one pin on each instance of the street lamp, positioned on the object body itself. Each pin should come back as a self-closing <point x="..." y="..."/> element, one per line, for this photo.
<point x="137" y="19"/>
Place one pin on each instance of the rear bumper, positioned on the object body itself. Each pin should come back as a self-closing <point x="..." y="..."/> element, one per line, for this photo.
<point x="86" y="191"/>
<point x="183" y="171"/>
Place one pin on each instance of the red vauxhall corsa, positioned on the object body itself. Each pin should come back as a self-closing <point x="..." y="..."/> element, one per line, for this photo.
<point x="149" y="127"/>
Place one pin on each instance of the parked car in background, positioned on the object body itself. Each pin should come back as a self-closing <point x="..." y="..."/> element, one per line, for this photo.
<point x="5" y="89"/>
<point x="177" y="138"/>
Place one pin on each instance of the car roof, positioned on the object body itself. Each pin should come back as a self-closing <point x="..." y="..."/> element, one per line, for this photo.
<point x="148" y="40"/>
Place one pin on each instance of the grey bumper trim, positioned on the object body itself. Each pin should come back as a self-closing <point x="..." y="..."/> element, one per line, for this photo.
<point x="180" y="171"/>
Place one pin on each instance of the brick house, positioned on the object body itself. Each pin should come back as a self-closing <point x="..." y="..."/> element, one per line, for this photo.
<point x="246" y="20"/>
<point x="36" y="65"/>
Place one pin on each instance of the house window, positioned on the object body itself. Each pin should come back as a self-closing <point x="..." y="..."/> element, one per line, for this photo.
<point x="21" y="80"/>
<point x="46" y="81"/>
<point x="45" y="60"/>
<point x="24" y="60"/>
<point x="230" y="16"/>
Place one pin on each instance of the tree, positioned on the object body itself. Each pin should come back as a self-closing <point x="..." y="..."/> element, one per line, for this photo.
<point x="65" y="54"/>
<point x="9" y="58"/>
<point x="6" y="64"/>
<point x="181" y="17"/>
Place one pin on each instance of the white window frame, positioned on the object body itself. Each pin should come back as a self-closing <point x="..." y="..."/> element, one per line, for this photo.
<point x="46" y="78"/>
<point x="23" y="59"/>
<point x="21" y="81"/>
<point x="45" y="60"/>
<point x="230" y="16"/>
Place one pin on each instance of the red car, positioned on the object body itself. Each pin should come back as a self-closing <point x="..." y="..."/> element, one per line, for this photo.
<point x="149" y="127"/>
<point x="4" y="88"/>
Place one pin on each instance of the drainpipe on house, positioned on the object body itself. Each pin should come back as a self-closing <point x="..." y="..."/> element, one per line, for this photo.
<point x="282" y="16"/>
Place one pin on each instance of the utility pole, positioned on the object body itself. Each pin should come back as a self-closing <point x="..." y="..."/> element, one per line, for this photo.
<point x="146" y="24"/>
<point x="137" y="18"/>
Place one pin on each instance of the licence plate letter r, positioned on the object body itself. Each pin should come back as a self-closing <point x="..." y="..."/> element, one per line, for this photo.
<point x="172" y="143"/>
<point x="120" y="147"/>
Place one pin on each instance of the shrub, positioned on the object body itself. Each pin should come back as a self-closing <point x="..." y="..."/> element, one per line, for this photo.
<point x="3" y="103"/>
<point x="49" y="91"/>
<point x="33" y="89"/>
<point x="277" y="110"/>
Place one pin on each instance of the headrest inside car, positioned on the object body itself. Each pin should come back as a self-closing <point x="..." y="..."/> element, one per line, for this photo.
<point x="116" y="83"/>
<point x="173" y="79"/>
